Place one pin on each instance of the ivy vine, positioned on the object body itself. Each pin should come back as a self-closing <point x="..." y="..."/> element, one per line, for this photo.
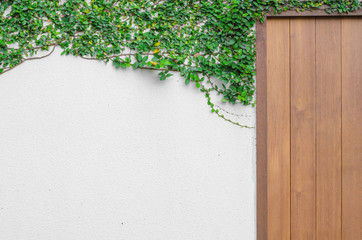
<point x="211" y="43"/>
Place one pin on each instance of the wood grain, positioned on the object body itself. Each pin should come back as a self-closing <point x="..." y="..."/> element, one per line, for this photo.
<point x="302" y="32"/>
<point x="351" y="129"/>
<point x="261" y="131"/>
<point x="325" y="195"/>
<point x="328" y="128"/>
<point x="278" y="129"/>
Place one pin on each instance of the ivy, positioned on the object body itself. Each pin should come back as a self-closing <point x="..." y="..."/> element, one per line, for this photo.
<point x="211" y="43"/>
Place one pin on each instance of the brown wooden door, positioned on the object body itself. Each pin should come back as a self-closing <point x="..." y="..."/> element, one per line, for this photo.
<point x="314" y="128"/>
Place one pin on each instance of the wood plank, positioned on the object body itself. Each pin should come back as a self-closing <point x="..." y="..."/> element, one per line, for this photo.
<point x="302" y="128"/>
<point x="351" y="129"/>
<point x="261" y="131"/>
<point x="278" y="109"/>
<point x="328" y="128"/>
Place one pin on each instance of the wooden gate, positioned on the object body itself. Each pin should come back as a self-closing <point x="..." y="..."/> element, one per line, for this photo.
<point x="313" y="128"/>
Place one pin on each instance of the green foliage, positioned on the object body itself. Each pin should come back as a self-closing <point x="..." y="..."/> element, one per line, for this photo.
<point x="200" y="39"/>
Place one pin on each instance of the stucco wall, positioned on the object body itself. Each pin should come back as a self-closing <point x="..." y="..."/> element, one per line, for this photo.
<point x="91" y="152"/>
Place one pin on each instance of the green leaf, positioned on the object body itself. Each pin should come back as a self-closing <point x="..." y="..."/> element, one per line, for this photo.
<point x="135" y="65"/>
<point x="162" y="76"/>
<point x="212" y="39"/>
<point x="138" y="57"/>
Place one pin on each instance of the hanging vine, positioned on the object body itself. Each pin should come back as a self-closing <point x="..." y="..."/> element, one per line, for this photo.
<point x="211" y="43"/>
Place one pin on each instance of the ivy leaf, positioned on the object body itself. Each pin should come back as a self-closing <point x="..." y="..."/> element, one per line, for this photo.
<point x="204" y="38"/>
<point x="187" y="81"/>
<point x="135" y="65"/>
<point x="162" y="76"/>
<point x="241" y="98"/>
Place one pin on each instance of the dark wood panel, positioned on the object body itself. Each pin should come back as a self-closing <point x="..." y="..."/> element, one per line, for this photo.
<point x="278" y="129"/>
<point x="351" y="129"/>
<point x="328" y="128"/>
<point x="302" y="33"/>
<point x="261" y="131"/>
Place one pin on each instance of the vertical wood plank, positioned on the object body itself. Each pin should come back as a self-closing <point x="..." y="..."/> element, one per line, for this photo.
<point x="261" y="131"/>
<point x="328" y="128"/>
<point x="278" y="109"/>
<point x="351" y="128"/>
<point x="302" y="128"/>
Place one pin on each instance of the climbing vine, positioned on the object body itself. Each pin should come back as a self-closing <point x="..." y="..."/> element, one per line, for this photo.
<point x="211" y="43"/>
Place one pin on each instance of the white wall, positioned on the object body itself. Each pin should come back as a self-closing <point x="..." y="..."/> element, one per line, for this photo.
<point x="91" y="152"/>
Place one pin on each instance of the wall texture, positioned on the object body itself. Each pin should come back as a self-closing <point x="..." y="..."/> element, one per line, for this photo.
<point x="90" y="152"/>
